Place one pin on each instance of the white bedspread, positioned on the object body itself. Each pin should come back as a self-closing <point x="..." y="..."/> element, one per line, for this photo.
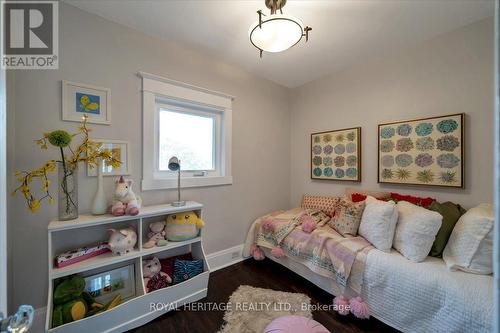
<point x="426" y="297"/>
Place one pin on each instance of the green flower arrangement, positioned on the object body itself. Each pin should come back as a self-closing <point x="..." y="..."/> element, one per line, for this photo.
<point x="88" y="151"/>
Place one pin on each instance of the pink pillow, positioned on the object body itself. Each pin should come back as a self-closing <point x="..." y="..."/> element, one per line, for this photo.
<point x="323" y="203"/>
<point x="295" y="324"/>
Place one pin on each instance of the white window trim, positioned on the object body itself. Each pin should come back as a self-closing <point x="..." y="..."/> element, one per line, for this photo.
<point x="156" y="87"/>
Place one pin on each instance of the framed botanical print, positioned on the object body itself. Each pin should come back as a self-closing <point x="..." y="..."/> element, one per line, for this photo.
<point x="427" y="151"/>
<point x="121" y="151"/>
<point x="336" y="155"/>
<point x="82" y="99"/>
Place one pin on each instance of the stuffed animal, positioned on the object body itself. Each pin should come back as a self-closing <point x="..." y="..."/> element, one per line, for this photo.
<point x="125" y="201"/>
<point x="72" y="302"/>
<point x="122" y="241"/>
<point x="183" y="226"/>
<point x="156" y="235"/>
<point x="154" y="278"/>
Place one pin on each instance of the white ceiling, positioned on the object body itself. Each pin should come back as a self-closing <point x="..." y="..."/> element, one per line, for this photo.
<point x="344" y="31"/>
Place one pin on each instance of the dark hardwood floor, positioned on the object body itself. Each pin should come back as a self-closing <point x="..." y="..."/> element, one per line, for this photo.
<point x="263" y="274"/>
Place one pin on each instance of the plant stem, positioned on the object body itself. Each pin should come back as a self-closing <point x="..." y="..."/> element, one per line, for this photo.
<point x="65" y="182"/>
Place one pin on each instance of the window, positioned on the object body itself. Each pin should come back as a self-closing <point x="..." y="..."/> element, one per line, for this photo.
<point x="192" y="134"/>
<point x="191" y="123"/>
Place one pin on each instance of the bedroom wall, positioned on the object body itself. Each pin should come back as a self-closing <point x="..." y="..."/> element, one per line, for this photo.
<point x="452" y="73"/>
<point x="102" y="53"/>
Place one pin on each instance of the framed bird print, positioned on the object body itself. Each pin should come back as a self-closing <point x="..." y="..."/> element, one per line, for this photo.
<point x="82" y="99"/>
<point x="427" y="151"/>
<point x="336" y="155"/>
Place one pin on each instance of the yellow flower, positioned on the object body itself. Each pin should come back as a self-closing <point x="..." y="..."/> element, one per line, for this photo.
<point x="106" y="154"/>
<point x="34" y="205"/>
<point x="51" y="201"/>
<point x="50" y="166"/>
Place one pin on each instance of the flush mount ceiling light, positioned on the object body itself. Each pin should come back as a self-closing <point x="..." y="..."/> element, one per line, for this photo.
<point x="276" y="32"/>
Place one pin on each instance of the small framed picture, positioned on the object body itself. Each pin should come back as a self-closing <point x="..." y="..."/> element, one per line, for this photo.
<point x="106" y="285"/>
<point x="336" y="155"/>
<point x="121" y="151"/>
<point x="82" y="99"/>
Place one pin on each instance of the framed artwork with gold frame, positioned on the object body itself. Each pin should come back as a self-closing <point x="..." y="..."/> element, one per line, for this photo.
<point x="425" y="151"/>
<point x="336" y="155"/>
<point x="121" y="151"/>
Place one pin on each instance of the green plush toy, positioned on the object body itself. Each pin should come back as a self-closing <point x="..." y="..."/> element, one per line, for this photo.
<point x="72" y="302"/>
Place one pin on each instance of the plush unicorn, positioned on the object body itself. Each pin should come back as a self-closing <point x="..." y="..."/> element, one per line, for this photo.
<point x="125" y="201"/>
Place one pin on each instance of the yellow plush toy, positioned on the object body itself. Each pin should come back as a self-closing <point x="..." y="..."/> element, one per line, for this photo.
<point x="183" y="226"/>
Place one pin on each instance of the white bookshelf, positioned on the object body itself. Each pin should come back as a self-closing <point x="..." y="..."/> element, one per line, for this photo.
<point x="133" y="312"/>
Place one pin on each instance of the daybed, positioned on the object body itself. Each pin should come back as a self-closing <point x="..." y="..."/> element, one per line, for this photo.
<point x="411" y="297"/>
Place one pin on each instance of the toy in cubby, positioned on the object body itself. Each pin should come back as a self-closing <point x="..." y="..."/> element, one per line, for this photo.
<point x="170" y="271"/>
<point x="156" y="235"/>
<point x="71" y="302"/>
<point x="183" y="226"/>
<point x="154" y="277"/>
<point x="80" y="254"/>
<point x="122" y="241"/>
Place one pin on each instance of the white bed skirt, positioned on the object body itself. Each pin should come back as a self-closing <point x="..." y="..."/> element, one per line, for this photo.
<point x="416" y="297"/>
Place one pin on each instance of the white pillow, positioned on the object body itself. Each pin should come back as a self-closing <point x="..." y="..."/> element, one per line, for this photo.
<point x="470" y="247"/>
<point x="378" y="223"/>
<point x="416" y="230"/>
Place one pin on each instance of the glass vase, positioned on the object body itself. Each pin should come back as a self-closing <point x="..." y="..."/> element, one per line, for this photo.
<point x="68" y="193"/>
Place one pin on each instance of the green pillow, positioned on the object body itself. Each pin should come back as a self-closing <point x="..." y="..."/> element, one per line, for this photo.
<point x="451" y="213"/>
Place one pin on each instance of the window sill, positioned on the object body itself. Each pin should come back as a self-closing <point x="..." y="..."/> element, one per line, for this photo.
<point x="186" y="182"/>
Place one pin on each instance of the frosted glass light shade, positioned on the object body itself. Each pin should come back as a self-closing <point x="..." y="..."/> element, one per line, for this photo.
<point x="277" y="33"/>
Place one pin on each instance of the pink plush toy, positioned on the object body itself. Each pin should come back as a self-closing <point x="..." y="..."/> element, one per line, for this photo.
<point x="359" y="308"/>
<point x="278" y="252"/>
<point x="268" y="225"/>
<point x="342" y="305"/>
<point x="308" y="224"/>
<point x="122" y="241"/>
<point x="257" y="253"/>
<point x="125" y="201"/>
<point x="156" y="235"/>
<point x="154" y="278"/>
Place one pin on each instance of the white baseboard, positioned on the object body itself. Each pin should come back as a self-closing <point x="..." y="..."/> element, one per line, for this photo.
<point x="216" y="261"/>
<point x="224" y="258"/>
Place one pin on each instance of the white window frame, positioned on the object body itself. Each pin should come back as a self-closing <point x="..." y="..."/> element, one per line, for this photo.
<point x="158" y="91"/>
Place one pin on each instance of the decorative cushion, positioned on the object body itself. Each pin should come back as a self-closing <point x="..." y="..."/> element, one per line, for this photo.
<point x="380" y="195"/>
<point x="451" y="213"/>
<point x="347" y="218"/>
<point x="378" y="223"/>
<point x="187" y="269"/>
<point x="357" y="197"/>
<point x="294" y="324"/>
<point x="423" y="202"/>
<point x="415" y="231"/>
<point x="326" y="204"/>
<point x="167" y="264"/>
<point x="470" y="247"/>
